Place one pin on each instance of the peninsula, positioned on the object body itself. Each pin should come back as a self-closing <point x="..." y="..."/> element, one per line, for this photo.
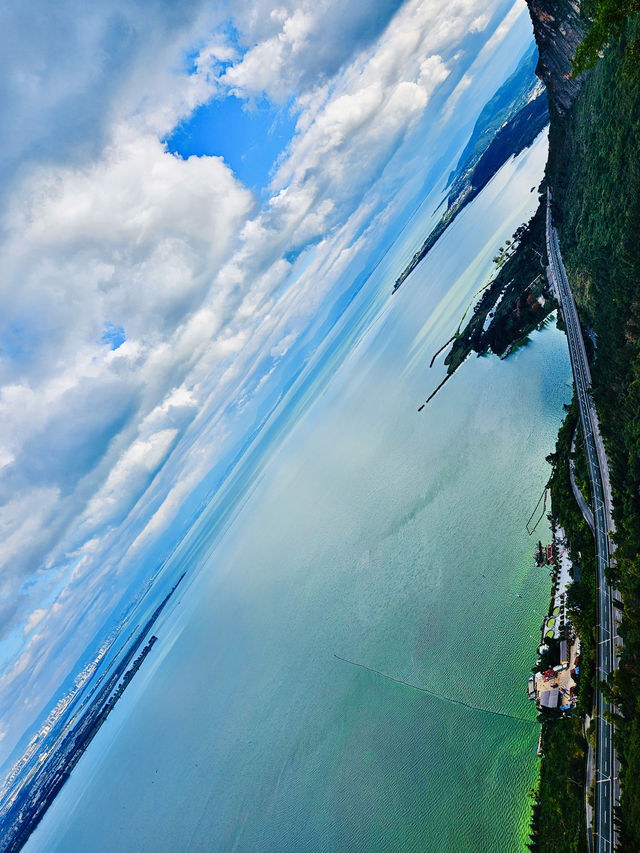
<point x="508" y="123"/>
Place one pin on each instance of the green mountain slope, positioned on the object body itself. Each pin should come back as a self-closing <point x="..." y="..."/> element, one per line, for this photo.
<point x="595" y="167"/>
<point x="521" y="87"/>
<point x="508" y="123"/>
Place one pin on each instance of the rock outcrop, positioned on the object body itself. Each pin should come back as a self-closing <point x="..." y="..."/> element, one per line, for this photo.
<point x="559" y="28"/>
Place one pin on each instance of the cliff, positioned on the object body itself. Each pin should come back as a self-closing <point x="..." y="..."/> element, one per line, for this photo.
<point x="559" y="28"/>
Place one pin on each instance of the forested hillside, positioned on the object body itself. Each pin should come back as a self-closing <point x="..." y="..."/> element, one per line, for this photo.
<point x="594" y="169"/>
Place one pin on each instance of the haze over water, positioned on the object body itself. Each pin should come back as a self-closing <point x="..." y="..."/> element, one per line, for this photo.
<point x="391" y="538"/>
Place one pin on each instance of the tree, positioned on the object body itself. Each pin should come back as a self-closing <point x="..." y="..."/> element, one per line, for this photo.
<point x="608" y="20"/>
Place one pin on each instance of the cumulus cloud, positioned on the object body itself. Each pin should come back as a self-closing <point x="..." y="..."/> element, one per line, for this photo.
<point x="135" y="239"/>
<point x="212" y="290"/>
<point x="295" y="47"/>
<point x="134" y="236"/>
<point x="66" y="67"/>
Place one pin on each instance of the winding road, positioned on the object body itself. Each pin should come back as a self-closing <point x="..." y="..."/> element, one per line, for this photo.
<point x="607" y="787"/>
<point x="585" y="509"/>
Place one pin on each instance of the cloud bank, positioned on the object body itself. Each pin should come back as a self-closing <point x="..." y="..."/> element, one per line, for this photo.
<point x="150" y="303"/>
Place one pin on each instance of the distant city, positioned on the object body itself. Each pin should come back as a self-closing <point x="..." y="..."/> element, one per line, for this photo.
<point x="38" y="775"/>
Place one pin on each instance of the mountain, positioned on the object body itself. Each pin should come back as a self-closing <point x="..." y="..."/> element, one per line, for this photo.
<point x="508" y="123"/>
<point x="518" y="90"/>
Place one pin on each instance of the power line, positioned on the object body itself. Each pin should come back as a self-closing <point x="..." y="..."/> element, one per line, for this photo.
<point x="544" y="508"/>
<point x="438" y="695"/>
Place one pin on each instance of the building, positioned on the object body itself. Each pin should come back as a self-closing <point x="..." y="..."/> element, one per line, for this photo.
<point x="549" y="698"/>
<point x="564" y="655"/>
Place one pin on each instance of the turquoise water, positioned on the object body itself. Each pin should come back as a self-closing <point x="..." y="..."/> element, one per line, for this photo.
<point x="388" y="537"/>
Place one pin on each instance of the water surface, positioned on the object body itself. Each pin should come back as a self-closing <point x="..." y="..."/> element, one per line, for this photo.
<point x="388" y="537"/>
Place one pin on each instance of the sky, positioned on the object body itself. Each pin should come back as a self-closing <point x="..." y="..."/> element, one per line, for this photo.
<point x="190" y="194"/>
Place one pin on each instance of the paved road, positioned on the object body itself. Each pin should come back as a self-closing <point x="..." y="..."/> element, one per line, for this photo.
<point x="580" y="499"/>
<point x="606" y="762"/>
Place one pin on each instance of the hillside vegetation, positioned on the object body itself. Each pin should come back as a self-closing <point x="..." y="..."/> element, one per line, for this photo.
<point x="510" y="98"/>
<point x="514" y="303"/>
<point x="594" y="168"/>
<point x="509" y="122"/>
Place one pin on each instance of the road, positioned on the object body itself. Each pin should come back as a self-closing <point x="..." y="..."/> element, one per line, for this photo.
<point x="584" y="506"/>
<point x="607" y="789"/>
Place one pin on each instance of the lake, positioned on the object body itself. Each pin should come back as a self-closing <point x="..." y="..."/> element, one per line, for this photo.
<point x="391" y="538"/>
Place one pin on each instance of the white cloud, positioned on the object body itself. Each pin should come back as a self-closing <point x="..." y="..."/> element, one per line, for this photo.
<point x="296" y="46"/>
<point x="128" y="477"/>
<point x="65" y="76"/>
<point x="100" y="449"/>
<point x="455" y="96"/>
<point x="134" y="237"/>
<point x="261" y="69"/>
<point x="34" y="619"/>
<point x="480" y="23"/>
<point x="519" y="8"/>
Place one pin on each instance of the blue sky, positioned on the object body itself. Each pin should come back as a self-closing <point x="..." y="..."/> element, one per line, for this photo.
<point x="191" y="194"/>
<point x="249" y="137"/>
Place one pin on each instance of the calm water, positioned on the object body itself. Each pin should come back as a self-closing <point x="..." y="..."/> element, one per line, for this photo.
<point x="392" y="538"/>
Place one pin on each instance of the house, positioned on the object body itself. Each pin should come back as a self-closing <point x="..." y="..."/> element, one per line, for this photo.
<point x="549" y="698"/>
<point x="564" y="656"/>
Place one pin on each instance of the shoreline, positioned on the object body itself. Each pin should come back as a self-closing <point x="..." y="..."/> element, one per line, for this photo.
<point x="562" y="794"/>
